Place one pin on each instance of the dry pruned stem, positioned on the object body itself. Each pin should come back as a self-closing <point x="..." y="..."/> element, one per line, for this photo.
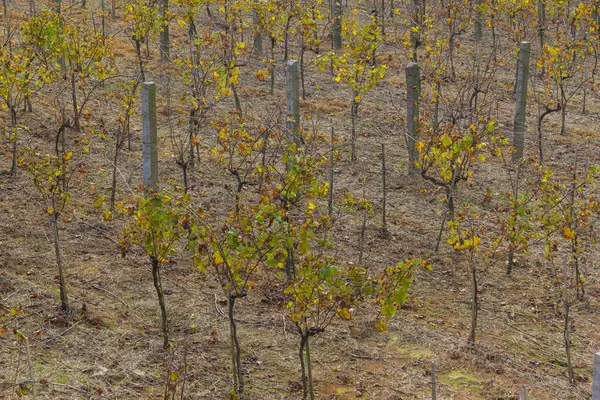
<point x="30" y="366"/>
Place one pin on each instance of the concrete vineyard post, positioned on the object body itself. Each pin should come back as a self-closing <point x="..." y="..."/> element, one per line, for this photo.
<point x="523" y="393"/>
<point x="596" y="14"/>
<point x="330" y="193"/>
<point x="103" y="7"/>
<point x="413" y="88"/>
<point x="518" y="140"/>
<point x="336" y="27"/>
<point x="433" y="382"/>
<point x="596" y="383"/>
<point x="383" y="182"/>
<point x="478" y="34"/>
<point x="415" y="19"/>
<point x="541" y="8"/>
<point x="258" y="38"/>
<point x="164" y="33"/>
<point x="292" y="91"/>
<point x="478" y="29"/>
<point x="541" y="22"/>
<point x="149" y="135"/>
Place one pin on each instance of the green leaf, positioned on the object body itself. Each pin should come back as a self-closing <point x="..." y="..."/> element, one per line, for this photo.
<point x="388" y="310"/>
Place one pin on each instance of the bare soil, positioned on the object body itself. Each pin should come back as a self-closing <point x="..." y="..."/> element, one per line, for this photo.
<point x="112" y="349"/>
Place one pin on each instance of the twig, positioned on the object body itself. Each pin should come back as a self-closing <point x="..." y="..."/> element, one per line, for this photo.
<point x="78" y="390"/>
<point x="98" y="287"/>
<point x="63" y="332"/>
<point x="105" y="233"/>
<point x="29" y="365"/>
<point x="5" y="299"/>
<point x="522" y="332"/>
<point x="47" y="238"/>
<point x="185" y="350"/>
<point x="378" y="357"/>
<point x="178" y="285"/>
<point x="217" y="307"/>
<point x="284" y="327"/>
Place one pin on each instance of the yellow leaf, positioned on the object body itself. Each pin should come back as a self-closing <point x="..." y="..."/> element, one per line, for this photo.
<point x="98" y="202"/>
<point x="107" y="215"/>
<point x="568" y="233"/>
<point x="381" y="324"/>
<point x="217" y="258"/>
<point x="295" y="317"/>
<point x="344" y="313"/>
<point x="446" y="141"/>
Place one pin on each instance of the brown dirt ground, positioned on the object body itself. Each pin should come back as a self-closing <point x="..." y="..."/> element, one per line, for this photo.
<point x="114" y="350"/>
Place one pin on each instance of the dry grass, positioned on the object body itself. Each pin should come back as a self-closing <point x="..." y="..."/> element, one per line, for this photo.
<point x="112" y="347"/>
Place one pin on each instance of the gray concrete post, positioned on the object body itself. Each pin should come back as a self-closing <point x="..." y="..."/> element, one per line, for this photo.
<point x="413" y="88"/>
<point x="292" y="91"/>
<point x="518" y="140"/>
<point x="149" y="135"/>
<point x="336" y="27"/>
<point x="596" y="382"/>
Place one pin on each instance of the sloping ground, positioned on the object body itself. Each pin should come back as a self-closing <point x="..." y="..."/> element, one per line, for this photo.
<point x="112" y="347"/>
